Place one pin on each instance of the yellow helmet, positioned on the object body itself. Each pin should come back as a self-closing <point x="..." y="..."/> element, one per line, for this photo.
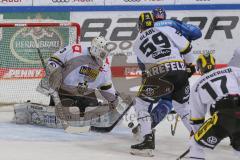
<point x="145" y="21"/>
<point x="205" y="63"/>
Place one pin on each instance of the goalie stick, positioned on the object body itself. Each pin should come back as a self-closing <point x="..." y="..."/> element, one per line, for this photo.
<point x="110" y="128"/>
<point x="57" y="101"/>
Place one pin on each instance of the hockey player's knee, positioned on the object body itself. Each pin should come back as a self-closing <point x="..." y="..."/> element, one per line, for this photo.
<point x="141" y="108"/>
<point x="160" y="111"/>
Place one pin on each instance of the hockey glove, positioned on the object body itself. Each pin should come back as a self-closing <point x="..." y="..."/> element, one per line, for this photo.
<point x="113" y="104"/>
<point x="190" y="69"/>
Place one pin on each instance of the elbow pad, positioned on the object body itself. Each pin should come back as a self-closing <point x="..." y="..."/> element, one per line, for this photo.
<point x="187" y="49"/>
<point x="106" y="87"/>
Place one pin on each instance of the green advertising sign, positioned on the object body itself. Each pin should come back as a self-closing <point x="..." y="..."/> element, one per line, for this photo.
<point x="17" y="44"/>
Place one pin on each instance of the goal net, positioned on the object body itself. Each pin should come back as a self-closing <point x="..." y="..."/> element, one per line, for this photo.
<point x="20" y="66"/>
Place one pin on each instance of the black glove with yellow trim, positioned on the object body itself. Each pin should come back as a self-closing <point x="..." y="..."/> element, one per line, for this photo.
<point x="190" y="69"/>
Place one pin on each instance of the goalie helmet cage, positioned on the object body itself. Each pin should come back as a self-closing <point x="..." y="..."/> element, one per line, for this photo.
<point x="20" y="65"/>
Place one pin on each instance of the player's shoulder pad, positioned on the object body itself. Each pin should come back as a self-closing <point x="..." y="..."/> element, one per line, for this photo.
<point x="166" y="29"/>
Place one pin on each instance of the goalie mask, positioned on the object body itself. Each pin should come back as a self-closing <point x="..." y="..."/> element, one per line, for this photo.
<point x="98" y="48"/>
<point x="145" y="21"/>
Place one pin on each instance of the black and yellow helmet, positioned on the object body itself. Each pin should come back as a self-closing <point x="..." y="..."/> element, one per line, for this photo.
<point x="145" y="21"/>
<point x="205" y="63"/>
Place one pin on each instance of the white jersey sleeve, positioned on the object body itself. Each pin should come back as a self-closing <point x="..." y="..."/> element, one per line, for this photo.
<point x="59" y="58"/>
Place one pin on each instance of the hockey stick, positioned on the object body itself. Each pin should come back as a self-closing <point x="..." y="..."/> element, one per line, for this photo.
<point x="57" y="101"/>
<point x="174" y="127"/>
<point x="110" y="128"/>
<point x="184" y="154"/>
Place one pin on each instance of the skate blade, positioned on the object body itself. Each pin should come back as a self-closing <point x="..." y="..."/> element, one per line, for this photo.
<point x="77" y="130"/>
<point x="143" y="152"/>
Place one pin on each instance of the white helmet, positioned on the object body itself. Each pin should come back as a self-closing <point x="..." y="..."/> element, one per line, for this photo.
<point x="99" y="48"/>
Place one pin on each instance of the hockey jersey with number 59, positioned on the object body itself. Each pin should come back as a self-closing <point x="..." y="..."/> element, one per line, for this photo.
<point x="159" y="45"/>
<point x="211" y="87"/>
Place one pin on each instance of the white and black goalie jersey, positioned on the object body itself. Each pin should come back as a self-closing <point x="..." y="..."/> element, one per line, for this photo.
<point x="211" y="87"/>
<point x="78" y="67"/>
<point x="160" y="45"/>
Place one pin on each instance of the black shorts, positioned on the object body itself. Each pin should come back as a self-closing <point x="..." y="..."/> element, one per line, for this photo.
<point x="224" y="123"/>
<point x="172" y="84"/>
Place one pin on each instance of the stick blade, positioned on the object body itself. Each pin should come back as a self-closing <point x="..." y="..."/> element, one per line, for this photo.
<point x="77" y="130"/>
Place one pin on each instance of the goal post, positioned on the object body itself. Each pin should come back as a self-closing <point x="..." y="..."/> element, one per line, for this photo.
<point x="20" y="65"/>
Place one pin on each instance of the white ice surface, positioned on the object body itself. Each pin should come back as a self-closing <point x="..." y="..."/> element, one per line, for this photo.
<point x="26" y="142"/>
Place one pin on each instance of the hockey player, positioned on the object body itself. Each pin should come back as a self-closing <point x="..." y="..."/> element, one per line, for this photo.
<point x="190" y="32"/>
<point x="205" y="62"/>
<point x="76" y="73"/>
<point x="159" y="50"/>
<point x="217" y="92"/>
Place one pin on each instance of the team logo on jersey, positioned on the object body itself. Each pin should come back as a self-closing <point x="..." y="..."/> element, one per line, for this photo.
<point x="87" y="71"/>
<point x="149" y="92"/>
<point x="187" y="90"/>
<point x="76" y="49"/>
<point x="26" y="40"/>
<point x="162" y="53"/>
<point x="212" y="140"/>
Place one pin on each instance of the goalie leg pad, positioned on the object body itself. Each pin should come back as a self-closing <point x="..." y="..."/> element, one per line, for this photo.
<point x="36" y="114"/>
<point x="210" y="133"/>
